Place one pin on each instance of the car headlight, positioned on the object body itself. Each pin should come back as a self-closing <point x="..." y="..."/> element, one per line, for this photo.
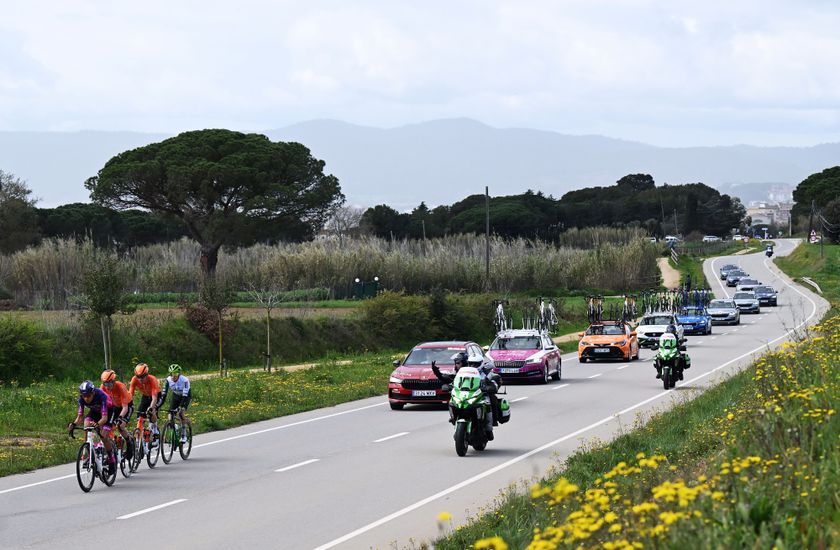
<point x="620" y="343"/>
<point x="584" y="343"/>
<point x="395" y="380"/>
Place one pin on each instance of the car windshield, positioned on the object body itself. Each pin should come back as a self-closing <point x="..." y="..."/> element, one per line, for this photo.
<point x="737" y="274"/>
<point x="729" y="267"/>
<point x="608" y="330"/>
<point x="749" y="282"/>
<point x="722" y="303"/>
<point x="657" y="320"/>
<point x="693" y="311"/>
<point x="517" y="342"/>
<point x="425" y="356"/>
<point x="764" y="289"/>
<point x="744" y="296"/>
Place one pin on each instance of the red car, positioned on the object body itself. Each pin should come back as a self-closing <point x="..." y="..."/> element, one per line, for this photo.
<point x="413" y="380"/>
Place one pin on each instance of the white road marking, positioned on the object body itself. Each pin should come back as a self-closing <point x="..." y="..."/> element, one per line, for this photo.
<point x="548" y="445"/>
<point x="298" y="465"/>
<point x="560" y="387"/>
<point x="623" y="366"/>
<point x="152" y="509"/>
<point x="713" y="337"/>
<point x="391" y="437"/>
<point x="752" y="322"/>
<point x="734" y="330"/>
<point x="520" y="399"/>
<point x="700" y="342"/>
<point x="595" y="375"/>
<point x="36" y="483"/>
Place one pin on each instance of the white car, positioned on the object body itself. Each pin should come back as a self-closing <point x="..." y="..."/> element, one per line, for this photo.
<point x="737" y="237"/>
<point x="653" y="325"/>
<point x="711" y="239"/>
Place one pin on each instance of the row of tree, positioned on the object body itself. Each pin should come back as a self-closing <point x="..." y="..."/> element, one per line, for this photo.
<point x="634" y="200"/>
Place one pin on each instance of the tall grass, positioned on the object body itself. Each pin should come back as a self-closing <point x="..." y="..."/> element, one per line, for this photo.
<point x="49" y="274"/>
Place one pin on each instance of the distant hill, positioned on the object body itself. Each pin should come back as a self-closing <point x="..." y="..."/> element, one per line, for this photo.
<point x="440" y="161"/>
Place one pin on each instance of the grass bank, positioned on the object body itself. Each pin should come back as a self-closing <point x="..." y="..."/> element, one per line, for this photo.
<point x="33" y="418"/>
<point x="806" y="261"/>
<point x="753" y="462"/>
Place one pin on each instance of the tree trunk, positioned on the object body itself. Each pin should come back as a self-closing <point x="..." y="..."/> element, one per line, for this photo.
<point x="105" y="340"/>
<point x="209" y="259"/>
<point x="220" y="344"/>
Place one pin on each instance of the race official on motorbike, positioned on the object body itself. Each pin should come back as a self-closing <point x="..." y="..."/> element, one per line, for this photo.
<point x="669" y="339"/>
<point x="489" y="385"/>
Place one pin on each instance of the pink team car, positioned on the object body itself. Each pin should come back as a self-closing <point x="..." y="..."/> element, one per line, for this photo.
<point x="526" y="354"/>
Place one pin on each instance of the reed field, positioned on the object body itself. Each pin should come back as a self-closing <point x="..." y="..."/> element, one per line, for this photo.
<point x="48" y="276"/>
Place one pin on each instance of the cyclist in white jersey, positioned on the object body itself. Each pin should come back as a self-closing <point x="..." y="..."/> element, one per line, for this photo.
<point x="180" y="386"/>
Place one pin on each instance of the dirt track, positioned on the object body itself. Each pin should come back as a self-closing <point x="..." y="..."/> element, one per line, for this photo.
<point x="670" y="276"/>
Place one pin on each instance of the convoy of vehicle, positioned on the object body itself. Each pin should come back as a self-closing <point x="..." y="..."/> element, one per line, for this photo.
<point x="608" y="340"/>
<point x="525" y="354"/>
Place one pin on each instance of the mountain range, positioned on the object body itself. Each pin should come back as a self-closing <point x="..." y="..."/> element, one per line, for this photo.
<point x="441" y="161"/>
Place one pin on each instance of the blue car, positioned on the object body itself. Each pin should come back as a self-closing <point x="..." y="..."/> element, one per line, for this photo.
<point x="695" y="320"/>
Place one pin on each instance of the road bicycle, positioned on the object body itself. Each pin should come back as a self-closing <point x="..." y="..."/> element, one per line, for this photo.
<point x="500" y="321"/>
<point x="146" y="444"/>
<point x="121" y="446"/>
<point x="171" y="437"/>
<point x="92" y="461"/>
<point x="594" y="309"/>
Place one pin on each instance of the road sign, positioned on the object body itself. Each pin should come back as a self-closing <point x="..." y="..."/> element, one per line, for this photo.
<point x="813" y="236"/>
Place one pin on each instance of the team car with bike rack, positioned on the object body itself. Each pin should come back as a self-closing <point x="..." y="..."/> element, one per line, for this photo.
<point x="413" y="382"/>
<point x="525" y="354"/>
<point x="608" y="340"/>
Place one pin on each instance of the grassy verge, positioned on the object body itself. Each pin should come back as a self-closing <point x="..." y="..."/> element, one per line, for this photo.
<point x="32" y="419"/>
<point x="805" y="261"/>
<point x="753" y="462"/>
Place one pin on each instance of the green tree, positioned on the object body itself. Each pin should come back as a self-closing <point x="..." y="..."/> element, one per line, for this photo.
<point x="18" y="217"/>
<point x="636" y="182"/>
<point x="820" y="188"/>
<point x="104" y="293"/>
<point x="220" y="183"/>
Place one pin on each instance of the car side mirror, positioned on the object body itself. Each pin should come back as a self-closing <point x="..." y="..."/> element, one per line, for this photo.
<point x="633" y="333"/>
<point x="396" y="363"/>
<point x="580" y="334"/>
<point x="681" y="348"/>
<point x="486" y="348"/>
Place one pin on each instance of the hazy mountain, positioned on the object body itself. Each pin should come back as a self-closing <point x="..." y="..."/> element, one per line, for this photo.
<point x="440" y="161"/>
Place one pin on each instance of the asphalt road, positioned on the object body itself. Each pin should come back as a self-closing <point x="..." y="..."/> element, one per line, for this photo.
<point x="360" y="475"/>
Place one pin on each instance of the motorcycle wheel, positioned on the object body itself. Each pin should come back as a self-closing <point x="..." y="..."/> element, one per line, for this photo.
<point x="666" y="378"/>
<point x="480" y="446"/>
<point x="461" y="438"/>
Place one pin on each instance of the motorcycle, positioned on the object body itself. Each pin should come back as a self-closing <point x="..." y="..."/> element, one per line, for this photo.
<point x="768" y="252"/>
<point x="469" y="409"/>
<point x="670" y="363"/>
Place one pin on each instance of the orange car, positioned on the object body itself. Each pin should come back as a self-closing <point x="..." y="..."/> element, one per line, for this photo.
<point x="608" y="340"/>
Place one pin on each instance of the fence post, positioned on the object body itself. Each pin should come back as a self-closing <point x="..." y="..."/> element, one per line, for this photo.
<point x="675" y="255"/>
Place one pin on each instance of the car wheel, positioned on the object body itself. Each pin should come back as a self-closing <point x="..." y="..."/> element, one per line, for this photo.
<point x="544" y="379"/>
<point x="638" y="349"/>
<point x="709" y="330"/>
<point x="396" y="406"/>
<point x="557" y="374"/>
<point x="582" y="359"/>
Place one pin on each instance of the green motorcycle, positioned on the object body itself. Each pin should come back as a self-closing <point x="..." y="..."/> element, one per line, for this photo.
<point x="670" y="362"/>
<point x="468" y="410"/>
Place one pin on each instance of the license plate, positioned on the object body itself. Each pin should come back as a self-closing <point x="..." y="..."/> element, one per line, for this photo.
<point x="423" y="393"/>
<point x="602" y="350"/>
<point x="509" y="371"/>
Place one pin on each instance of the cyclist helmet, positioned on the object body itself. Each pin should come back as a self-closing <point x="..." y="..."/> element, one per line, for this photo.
<point x="86" y="387"/>
<point x="142" y="369"/>
<point x="108" y="376"/>
<point x="174" y="367"/>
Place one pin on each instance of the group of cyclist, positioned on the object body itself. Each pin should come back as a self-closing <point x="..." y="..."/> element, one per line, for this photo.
<point x="112" y="404"/>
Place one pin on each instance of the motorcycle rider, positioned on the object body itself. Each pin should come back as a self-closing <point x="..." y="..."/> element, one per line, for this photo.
<point x="769" y="250"/>
<point x="489" y="385"/>
<point x="669" y="339"/>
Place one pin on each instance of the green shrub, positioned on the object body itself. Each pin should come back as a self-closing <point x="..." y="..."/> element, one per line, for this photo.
<point x="25" y="351"/>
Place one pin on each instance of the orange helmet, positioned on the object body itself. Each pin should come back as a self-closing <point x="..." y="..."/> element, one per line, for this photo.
<point x="142" y="369"/>
<point x="108" y="376"/>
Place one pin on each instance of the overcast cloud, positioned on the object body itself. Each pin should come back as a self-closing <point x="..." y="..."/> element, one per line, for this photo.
<point x="662" y="72"/>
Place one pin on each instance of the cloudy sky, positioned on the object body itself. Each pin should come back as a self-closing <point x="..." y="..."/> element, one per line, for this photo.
<point x="663" y="72"/>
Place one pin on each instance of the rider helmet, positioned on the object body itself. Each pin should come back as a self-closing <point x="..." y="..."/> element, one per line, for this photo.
<point x="174" y="368"/>
<point x="108" y="376"/>
<point x="672" y="329"/>
<point x="460" y="360"/>
<point x="142" y="369"/>
<point x="86" y="387"/>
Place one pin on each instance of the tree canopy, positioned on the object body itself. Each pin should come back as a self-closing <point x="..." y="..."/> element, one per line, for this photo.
<point x="225" y="186"/>
<point x="18" y="219"/>
<point x="821" y="188"/>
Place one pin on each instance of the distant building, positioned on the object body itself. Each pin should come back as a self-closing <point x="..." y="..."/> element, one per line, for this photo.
<point x="767" y="213"/>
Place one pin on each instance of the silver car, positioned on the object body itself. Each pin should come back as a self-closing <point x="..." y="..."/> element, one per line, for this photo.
<point x="747" y="302"/>
<point x="724" y="312"/>
<point x="747" y="285"/>
<point x="724" y="271"/>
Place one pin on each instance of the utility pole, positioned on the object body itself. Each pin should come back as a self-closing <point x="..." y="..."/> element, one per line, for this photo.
<point x="676" y="230"/>
<point x="487" y="234"/>
<point x="811" y="219"/>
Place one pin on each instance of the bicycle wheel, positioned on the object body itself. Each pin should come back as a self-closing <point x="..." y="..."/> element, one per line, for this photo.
<point x="139" y="449"/>
<point x="126" y="464"/>
<point x="108" y="475"/>
<point x="185" y="448"/>
<point x="169" y="441"/>
<point x="153" y="451"/>
<point x="85" y="468"/>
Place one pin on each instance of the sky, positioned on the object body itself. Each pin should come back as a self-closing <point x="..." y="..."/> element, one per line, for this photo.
<point x="668" y="73"/>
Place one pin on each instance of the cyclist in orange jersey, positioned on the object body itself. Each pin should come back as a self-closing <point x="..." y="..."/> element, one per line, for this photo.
<point x="122" y="403"/>
<point x="152" y="397"/>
